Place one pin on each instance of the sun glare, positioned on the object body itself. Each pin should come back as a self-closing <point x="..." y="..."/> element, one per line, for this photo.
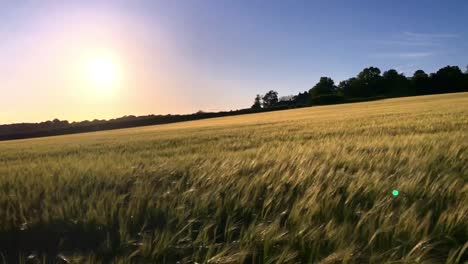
<point x="103" y="74"/>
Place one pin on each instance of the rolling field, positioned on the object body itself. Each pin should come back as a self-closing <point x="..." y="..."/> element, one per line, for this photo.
<point x="311" y="185"/>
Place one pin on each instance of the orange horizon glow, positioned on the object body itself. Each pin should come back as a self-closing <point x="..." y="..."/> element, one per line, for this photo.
<point x="85" y="66"/>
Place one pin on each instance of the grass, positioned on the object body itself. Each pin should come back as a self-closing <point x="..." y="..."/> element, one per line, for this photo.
<point x="310" y="185"/>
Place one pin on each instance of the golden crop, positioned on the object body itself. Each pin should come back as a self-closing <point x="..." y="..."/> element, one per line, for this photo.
<point x="298" y="186"/>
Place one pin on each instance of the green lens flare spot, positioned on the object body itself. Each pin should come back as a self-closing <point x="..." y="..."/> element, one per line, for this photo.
<point x="395" y="192"/>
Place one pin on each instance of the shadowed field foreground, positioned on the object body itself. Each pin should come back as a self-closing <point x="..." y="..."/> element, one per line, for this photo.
<point x="298" y="186"/>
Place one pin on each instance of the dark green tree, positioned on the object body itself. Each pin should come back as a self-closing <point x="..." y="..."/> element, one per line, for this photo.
<point x="325" y="86"/>
<point x="420" y="82"/>
<point x="302" y="99"/>
<point x="369" y="73"/>
<point x="448" y="79"/>
<point x="350" y="88"/>
<point x="257" y="102"/>
<point x="394" y="84"/>
<point x="270" y="99"/>
<point x="465" y="85"/>
<point x="368" y="82"/>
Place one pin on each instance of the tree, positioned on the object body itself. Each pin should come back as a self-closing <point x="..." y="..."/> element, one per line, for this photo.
<point x="325" y="86"/>
<point x="448" y="79"/>
<point x="366" y="84"/>
<point x="350" y="88"/>
<point x="302" y="99"/>
<point x="465" y="85"/>
<point x="369" y="82"/>
<point x="394" y="84"/>
<point x="420" y="74"/>
<point x="369" y="74"/>
<point x="420" y="82"/>
<point x="257" y="102"/>
<point x="270" y="99"/>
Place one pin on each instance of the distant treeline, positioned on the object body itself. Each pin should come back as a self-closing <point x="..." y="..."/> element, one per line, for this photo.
<point x="369" y="84"/>
<point x="59" y="127"/>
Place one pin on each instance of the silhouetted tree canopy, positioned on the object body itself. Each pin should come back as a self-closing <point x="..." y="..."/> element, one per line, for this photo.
<point x="257" y="102"/>
<point x="302" y="99"/>
<point x="325" y="86"/>
<point x="420" y="82"/>
<point x="394" y="84"/>
<point x="370" y="84"/>
<point x="449" y="79"/>
<point x="270" y="99"/>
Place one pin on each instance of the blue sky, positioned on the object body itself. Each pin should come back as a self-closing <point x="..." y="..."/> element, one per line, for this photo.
<point x="215" y="55"/>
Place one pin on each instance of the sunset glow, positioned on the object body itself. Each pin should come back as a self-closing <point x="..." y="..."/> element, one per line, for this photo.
<point x="103" y="74"/>
<point x="85" y="60"/>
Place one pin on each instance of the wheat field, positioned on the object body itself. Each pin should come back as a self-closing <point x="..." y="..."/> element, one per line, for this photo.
<point x="310" y="185"/>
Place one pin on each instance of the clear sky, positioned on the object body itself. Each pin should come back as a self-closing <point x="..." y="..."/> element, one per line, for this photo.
<point x="78" y="60"/>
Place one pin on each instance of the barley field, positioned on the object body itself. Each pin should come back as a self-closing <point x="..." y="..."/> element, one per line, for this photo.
<point x="310" y="185"/>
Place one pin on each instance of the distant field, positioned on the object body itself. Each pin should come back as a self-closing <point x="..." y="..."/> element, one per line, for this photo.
<point x="297" y="186"/>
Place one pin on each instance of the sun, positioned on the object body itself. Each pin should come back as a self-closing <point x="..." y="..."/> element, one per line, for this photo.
<point x="103" y="73"/>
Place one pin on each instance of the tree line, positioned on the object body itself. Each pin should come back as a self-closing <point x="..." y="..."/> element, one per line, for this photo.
<point x="62" y="127"/>
<point x="371" y="84"/>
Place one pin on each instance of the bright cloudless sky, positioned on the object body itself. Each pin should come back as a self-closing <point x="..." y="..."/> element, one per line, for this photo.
<point x="183" y="56"/>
